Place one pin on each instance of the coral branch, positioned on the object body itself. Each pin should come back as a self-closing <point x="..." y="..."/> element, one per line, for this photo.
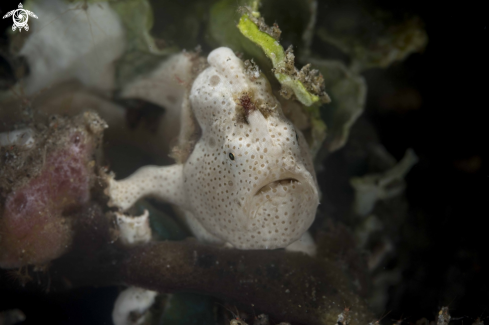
<point x="289" y="286"/>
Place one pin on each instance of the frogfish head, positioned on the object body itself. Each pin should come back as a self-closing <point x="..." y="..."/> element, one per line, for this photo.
<point x="250" y="177"/>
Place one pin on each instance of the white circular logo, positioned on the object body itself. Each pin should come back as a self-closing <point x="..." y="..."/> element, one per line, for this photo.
<point x="20" y="17"/>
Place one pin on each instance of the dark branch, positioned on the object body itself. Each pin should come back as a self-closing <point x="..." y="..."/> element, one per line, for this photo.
<point x="288" y="286"/>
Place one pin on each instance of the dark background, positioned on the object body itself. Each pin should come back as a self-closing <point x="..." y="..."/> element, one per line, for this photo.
<point x="450" y="127"/>
<point x="448" y="200"/>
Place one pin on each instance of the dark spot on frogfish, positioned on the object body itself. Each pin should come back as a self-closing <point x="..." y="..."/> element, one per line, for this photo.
<point x="246" y="102"/>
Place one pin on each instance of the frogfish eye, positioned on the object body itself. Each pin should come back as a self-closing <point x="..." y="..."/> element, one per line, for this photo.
<point x="231" y="156"/>
<point x="296" y="137"/>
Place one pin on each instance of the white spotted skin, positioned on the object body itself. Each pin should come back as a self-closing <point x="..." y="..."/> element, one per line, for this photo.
<point x="267" y="196"/>
<point x="164" y="183"/>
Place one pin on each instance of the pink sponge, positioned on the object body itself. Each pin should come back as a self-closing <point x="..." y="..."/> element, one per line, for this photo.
<point x="35" y="225"/>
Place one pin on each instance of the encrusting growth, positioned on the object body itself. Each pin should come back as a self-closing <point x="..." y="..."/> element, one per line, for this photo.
<point x="249" y="180"/>
<point x="45" y="185"/>
<point x="132" y="305"/>
<point x="306" y="85"/>
<point x="134" y="230"/>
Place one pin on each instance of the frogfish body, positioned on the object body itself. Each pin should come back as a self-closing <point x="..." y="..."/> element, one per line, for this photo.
<point x="249" y="180"/>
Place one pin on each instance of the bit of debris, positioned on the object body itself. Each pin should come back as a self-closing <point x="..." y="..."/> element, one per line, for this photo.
<point x="443" y="316"/>
<point x="251" y="69"/>
<point x="344" y="318"/>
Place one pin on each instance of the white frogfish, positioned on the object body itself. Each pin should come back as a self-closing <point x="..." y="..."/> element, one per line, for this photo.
<point x="249" y="180"/>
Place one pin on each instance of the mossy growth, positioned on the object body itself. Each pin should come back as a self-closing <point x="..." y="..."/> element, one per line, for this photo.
<point x="306" y="85"/>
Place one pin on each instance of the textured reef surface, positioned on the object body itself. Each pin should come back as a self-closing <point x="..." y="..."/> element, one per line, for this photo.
<point x="209" y="162"/>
